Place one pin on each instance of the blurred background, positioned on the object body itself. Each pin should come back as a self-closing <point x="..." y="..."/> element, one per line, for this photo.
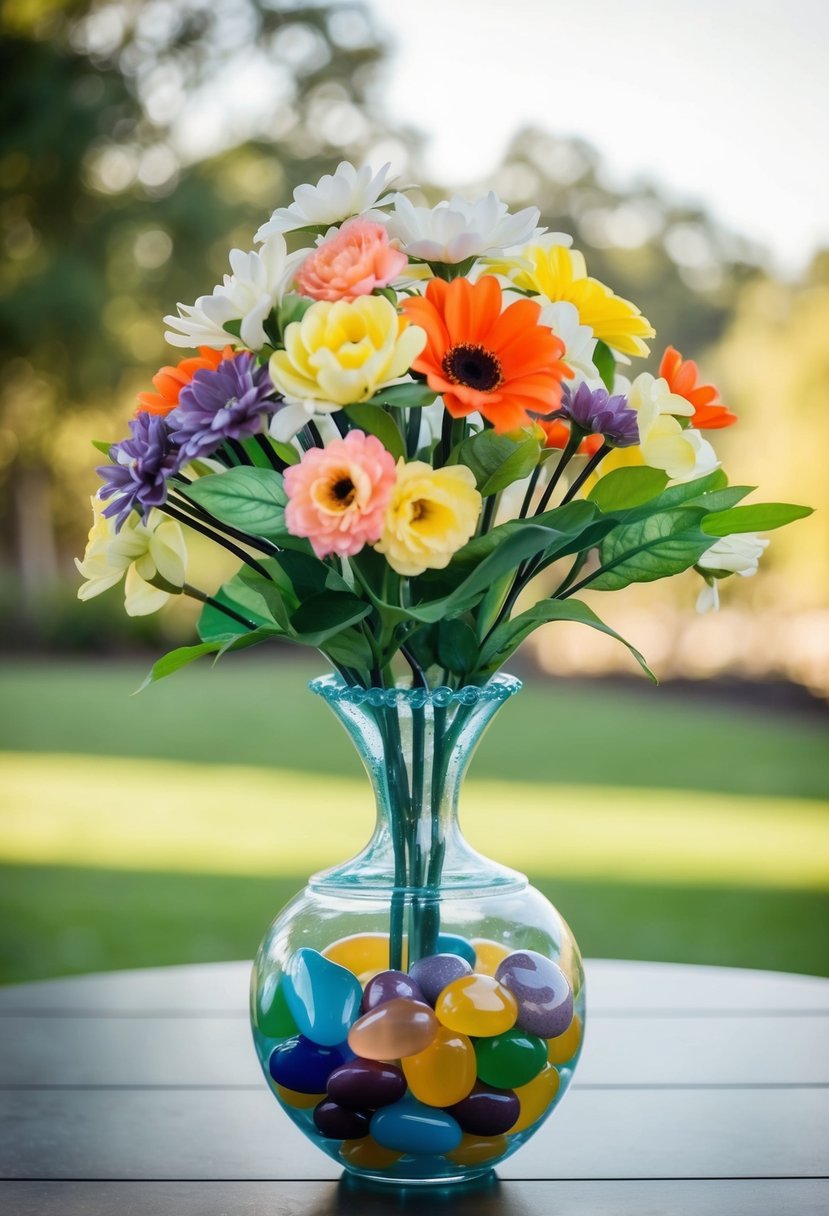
<point x="683" y="146"/>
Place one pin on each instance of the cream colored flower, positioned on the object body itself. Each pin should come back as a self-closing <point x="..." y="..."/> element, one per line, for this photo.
<point x="341" y="353"/>
<point x="432" y="514"/>
<point x="455" y="230"/>
<point x="334" y="198"/>
<point x="681" y="452"/>
<point x="738" y="553"/>
<point x="142" y="552"/>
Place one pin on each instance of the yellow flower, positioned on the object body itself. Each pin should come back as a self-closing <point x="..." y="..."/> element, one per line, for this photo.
<point x="342" y="352"/>
<point x="432" y="514"/>
<point x="681" y="452"/>
<point x="561" y="274"/>
<point x="144" y="552"/>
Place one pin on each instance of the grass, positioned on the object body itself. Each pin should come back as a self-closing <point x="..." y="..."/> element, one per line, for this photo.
<point x="663" y="829"/>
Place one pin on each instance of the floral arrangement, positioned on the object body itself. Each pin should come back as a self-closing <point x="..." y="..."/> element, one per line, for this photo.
<point x="396" y="426"/>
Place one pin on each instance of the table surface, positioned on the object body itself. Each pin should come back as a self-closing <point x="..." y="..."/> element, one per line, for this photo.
<point x="701" y="1090"/>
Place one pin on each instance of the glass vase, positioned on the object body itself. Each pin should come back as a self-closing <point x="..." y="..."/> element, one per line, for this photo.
<point x="418" y="1011"/>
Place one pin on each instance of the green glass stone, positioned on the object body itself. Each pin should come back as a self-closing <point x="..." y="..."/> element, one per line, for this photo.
<point x="273" y="1017"/>
<point x="511" y="1059"/>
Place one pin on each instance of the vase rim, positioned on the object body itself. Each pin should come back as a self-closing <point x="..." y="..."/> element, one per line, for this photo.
<point x="335" y="690"/>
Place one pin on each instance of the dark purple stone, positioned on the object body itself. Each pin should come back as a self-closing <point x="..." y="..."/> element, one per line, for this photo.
<point x="433" y="973"/>
<point x="302" y="1065"/>
<point x="389" y="986"/>
<point x="339" y="1122"/>
<point x="366" y="1084"/>
<point x="487" y="1111"/>
<point x="542" y="990"/>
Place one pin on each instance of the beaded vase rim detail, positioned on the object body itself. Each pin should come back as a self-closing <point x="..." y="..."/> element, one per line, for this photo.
<point x="335" y="690"/>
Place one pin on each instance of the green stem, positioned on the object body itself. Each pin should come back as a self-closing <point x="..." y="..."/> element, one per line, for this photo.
<point x="566" y="456"/>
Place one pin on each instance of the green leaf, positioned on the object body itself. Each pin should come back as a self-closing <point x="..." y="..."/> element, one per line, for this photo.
<point x="251" y="499"/>
<point x="285" y="451"/>
<point x="265" y="599"/>
<point x="498" y="460"/>
<point x="457" y="646"/>
<point x="630" y="487"/>
<point x="350" y="648"/>
<point x="326" y="614"/>
<point x="236" y="594"/>
<point x="375" y="421"/>
<point x="507" y="637"/>
<point x="102" y="446"/>
<point x="404" y="396"/>
<point x="569" y="520"/>
<point x="721" y="500"/>
<point x="605" y="364"/>
<point x="760" y="517"/>
<point x="651" y="548"/>
<point x="293" y="308"/>
<point x="174" y="660"/>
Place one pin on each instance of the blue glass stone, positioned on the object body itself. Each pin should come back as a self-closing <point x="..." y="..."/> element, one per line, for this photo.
<point x="304" y="1066"/>
<point x="450" y="943"/>
<point x="323" y="997"/>
<point x="410" y="1126"/>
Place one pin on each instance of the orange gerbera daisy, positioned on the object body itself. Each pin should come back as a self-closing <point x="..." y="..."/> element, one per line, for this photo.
<point x="169" y="381"/>
<point x="502" y="364"/>
<point x="557" y="435"/>
<point x="683" y="379"/>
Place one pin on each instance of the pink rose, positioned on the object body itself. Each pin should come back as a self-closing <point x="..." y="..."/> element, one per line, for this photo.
<point x="350" y="263"/>
<point x="337" y="495"/>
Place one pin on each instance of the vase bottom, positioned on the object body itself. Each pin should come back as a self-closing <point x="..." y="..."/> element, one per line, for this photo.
<point x="475" y="1176"/>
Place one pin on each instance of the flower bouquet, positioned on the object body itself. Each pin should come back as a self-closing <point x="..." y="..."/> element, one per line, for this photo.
<point x="419" y="431"/>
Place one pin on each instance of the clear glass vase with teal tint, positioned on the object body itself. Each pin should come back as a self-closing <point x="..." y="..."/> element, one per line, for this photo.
<point x="418" y="1011"/>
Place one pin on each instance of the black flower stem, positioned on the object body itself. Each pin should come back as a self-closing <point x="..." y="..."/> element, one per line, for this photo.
<point x="446" y="436"/>
<point x="412" y="432"/>
<point x="315" y="435"/>
<point x="198" y="512"/>
<point x="566" y="456"/>
<point x="488" y="515"/>
<point x="594" y="460"/>
<point x="196" y="594"/>
<point x="279" y="465"/>
<point x="528" y="497"/>
<point x="198" y="526"/>
<point x="238" y="451"/>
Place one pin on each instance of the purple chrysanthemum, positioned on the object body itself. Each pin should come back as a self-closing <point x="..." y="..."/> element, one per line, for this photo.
<point x="141" y="465"/>
<point x="594" y="410"/>
<point x="228" y="403"/>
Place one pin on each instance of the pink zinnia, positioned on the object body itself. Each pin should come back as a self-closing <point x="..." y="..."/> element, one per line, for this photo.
<point x="351" y="263"/>
<point x="337" y="496"/>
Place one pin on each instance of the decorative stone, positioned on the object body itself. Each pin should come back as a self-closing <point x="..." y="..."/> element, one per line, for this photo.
<point x="536" y="1098"/>
<point x="542" y="990"/>
<point x="302" y="1065"/>
<point x="340" y="1122"/>
<point x="510" y="1059"/>
<point x="272" y="1015"/>
<point x="488" y="955"/>
<point x="291" y="1097"/>
<point x="411" y="1127"/>
<point x="477" y="1005"/>
<point x="387" y="986"/>
<point x="474" y="1150"/>
<point x="361" y="952"/>
<point x="452" y="943"/>
<point x="323" y="997"/>
<point x="391" y="1031"/>
<point x="433" y="973"/>
<point x="487" y="1111"/>
<point x="367" y="1154"/>
<point x="563" y="1047"/>
<point x="366" y="1084"/>
<point x="445" y="1072"/>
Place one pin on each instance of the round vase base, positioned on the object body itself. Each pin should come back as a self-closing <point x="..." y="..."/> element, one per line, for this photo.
<point x="474" y="1176"/>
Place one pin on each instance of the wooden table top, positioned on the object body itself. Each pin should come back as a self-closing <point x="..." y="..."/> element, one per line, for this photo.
<point x="701" y="1091"/>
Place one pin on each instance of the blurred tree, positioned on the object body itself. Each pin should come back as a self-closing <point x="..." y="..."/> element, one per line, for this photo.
<point x="128" y="167"/>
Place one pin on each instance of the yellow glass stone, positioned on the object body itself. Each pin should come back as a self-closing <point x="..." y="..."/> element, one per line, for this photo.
<point x="477" y="1005"/>
<point x="535" y="1098"/>
<point x="488" y="955"/>
<point x="564" y="1046"/>
<point x="445" y="1072"/>
<point x="292" y="1097"/>
<point x="472" y="1150"/>
<point x="368" y="1154"/>
<point x="360" y="952"/>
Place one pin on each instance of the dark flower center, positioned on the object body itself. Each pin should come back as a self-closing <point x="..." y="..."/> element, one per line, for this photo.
<point x="420" y="510"/>
<point x="343" y="491"/>
<point x="474" y="366"/>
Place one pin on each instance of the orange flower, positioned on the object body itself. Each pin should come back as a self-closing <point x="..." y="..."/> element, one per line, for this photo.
<point x="502" y="364"/>
<point x="557" y="435"/>
<point x="169" y="381"/>
<point x="682" y="376"/>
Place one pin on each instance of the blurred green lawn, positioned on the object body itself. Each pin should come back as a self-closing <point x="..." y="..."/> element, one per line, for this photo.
<point x="171" y="826"/>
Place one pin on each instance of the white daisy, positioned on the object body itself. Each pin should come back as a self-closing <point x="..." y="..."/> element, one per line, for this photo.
<point x="579" y="344"/>
<point x="336" y="197"/>
<point x="246" y="296"/>
<point x="456" y="230"/>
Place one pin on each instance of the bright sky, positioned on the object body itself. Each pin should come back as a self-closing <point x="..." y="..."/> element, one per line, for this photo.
<point x="725" y="102"/>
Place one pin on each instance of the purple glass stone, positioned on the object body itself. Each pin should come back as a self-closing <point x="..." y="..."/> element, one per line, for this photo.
<point x="340" y="1122"/>
<point x="542" y="990"/>
<point x="433" y="973"/>
<point x="366" y="1084"/>
<point x="389" y="986"/>
<point x="487" y="1111"/>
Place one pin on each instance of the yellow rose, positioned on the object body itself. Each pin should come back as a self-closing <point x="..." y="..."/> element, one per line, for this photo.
<point x="432" y="514"/>
<point x="341" y="352"/>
